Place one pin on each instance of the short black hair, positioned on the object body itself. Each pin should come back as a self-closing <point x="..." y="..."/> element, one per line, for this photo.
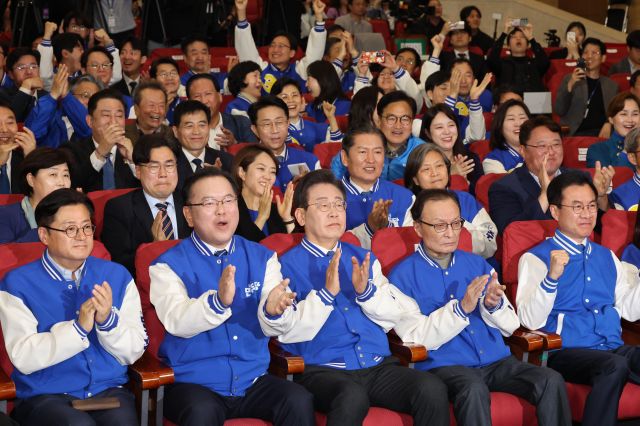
<point x="136" y="44"/>
<point x="396" y="96"/>
<point x="101" y="49"/>
<point x="329" y="44"/>
<point x="264" y="102"/>
<point x="466" y="11"/>
<point x="334" y="28"/>
<point x="38" y="159"/>
<point x="350" y="138"/>
<point x="414" y="164"/>
<point x="283" y="82"/>
<point x="189" y="107"/>
<point x="204" y="173"/>
<point x="436" y="79"/>
<point x="143" y="147"/>
<point x="147" y="85"/>
<point x="596" y="42"/>
<point x="293" y="41"/>
<point x="533" y="123"/>
<point x="105" y="94"/>
<point x="576" y="24"/>
<point x="461" y="61"/>
<point x="48" y="207"/>
<point x="431" y="195"/>
<point x="503" y="88"/>
<point x="65" y="41"/>
<point x="634" y="78"/>
<point x="247" y="156"/>
<point x="412" y="51"/>
<point x="315" y="177"/>
<point x="512" y="32"/>
<point x="237" y="75"/>
<point x="565" y="180"/>
<point x="196" y="77"/>
<point x="497" y="140"/>
<point x="79" y="17"/>
<point x="190" y="40"/>
<point x="165" y="60"/>
<point x="16" y="54"/>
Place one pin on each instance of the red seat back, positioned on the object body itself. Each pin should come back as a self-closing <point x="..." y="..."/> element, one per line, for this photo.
<point x="622" y="175"/>
<point x="381" y="26"/>
<point x="480" y="148"/>
<point x="622" y="80"/>
<point x="343" y="122"/>
<point x="282" y="243"/>
<point x="391" y="245"/>
<point x="617" y="230"/>
<point x="325" y="153"/>
<point x="575" y="150"/>
<point x="488" y="119"/>
<point x="10" y="199"/>
<point x="615" y="52"/>
<point x="226" y="99"/>
<point x="518" y="238"/>
<point x="145" y="255"/>
<point x="99" y="200"/>
<point x="234" y="149"/>
<point x="458" y="183"/>
<point x="483" y="185"/>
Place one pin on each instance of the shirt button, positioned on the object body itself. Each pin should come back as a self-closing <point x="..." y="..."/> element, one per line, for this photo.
<point x="595" y="311"/>
<point x="586" y="300"/>
<point x="451" y="295"/>
<point x="69" y="286"/>
<point x="588" y="278"/>
<point x="472" y="332"/>
<point x="359" y="348"/>
<point x="353" y="330"/>
<point x="235" y="337"/>
<point x="89" y="394"/>
<point x="235" y="377"/>
<point x="446" y="273"/>
<point x="361" y="356"/>
<point x="218" y="261"/>
<point x="481" y="351"/>
<point x="346" y="309"/>
<point x="364" y="200"/>
<point x="77" y="312"/>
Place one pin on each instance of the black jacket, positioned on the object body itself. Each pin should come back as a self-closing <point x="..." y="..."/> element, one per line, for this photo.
<point x="248" y="229"/>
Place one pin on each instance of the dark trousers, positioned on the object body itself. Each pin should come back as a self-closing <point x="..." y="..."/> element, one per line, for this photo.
<point x="469" y="390"/>
<point x="347" y="395"/>
<point x="606" y="371"/>
<point x="269" y="398"/>
<point x="56" y="409"/>
<point x="6" y="420"/>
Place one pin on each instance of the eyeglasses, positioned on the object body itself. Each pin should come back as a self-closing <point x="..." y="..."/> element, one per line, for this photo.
<point x="325" y="205"/>
<point x="83" y="95"/>
<point x="212" y="203"/>
<point x="170" y="74"/>
<point x="77" y="28"/>
<point x="154" y="168"/>
<point x="279" y="124"/>
<point x="30" y="67"/>
<point x="72" y="231"/>
<point x="401" y="60"/>
<point x="543" y="147"/>
<point x="578" y="208"/>
<point x="101" y="66"/>
<point x="391" y="120"/>
<point x="442" y="227"/>
<point x="279" y="46"/>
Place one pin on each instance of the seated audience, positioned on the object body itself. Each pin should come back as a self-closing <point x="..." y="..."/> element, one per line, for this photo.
<point x="22" y="67"/>
<point x="348" y="366"/>
<point x="150" y="213"/>
<point x="630" y="63"/>
<point x="99" y="63"/>
<point x="573" y="49"/>
<point x="166" y="71"/>
<point x="363" y="111"/>
<point x="191" y="129"/>
<point x="198" y="60"/>
<point x="65" y="48"/>
<point x="505" y="138"/>
<point x="627" y="195"/>
<point x="219" y="287"/>
<point x="472" y="17"/>
<point x="584" y="94"/>
<point x="5" y="80"/>
<point x="341" y="52"/>
<point x="427" y="24"/>
<point x="623" y="113"/>
<point x="42" y="171"/>
<point x="556" y="293"/>
<point x="224" y="129"/>
<point x="409" y="59"/>
<point x="631" y="254"/>
<point x="356" y="20"/>
<point x="282" y="48"/>
<point x="522" y="195"/>
<point x="133" y="54"/>
<point x="254" y="170"/>
<point x="459" y="42"/>
<point x="429" y="168"/>
<point x="103" y="161"/>
<point x="437" y="88"/>
<point x="462" y="326"/>
<point x="150" y="107"/>
<point x="324" y="85"/>
<point x="304" y="132"/>
<point x="72" y="323"/>
<point x="245" y="85"/>
<point x="14" y="147"/>
<point x="634" y="84"/>
<point x="518" y="69"/>
<point x="270" y="123"/>
<point x="503" y="92"/>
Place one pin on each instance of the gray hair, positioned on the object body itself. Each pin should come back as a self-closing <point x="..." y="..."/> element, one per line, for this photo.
<point x="86" y="78"/>
<point x="631" y="140"/>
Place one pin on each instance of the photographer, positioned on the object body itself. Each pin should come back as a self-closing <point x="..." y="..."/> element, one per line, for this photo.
<point x="427" y="19"/>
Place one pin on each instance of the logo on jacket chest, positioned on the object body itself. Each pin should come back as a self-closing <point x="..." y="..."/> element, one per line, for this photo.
<point x="251" y="288"/>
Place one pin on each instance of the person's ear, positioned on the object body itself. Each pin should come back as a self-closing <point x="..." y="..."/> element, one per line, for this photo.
<point x="555" y="211"/>
<point x="138" y="172"/>
<point x="186" y="211"/>
<point x="300" y="214"/>
<point x="344" y="158"/>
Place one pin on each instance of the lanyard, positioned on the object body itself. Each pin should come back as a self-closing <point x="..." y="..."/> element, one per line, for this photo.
<point x="586" y="111"/>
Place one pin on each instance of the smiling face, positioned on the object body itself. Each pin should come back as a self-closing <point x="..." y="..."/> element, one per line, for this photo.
<point x="131" y="59"/>
<point x="152" y="110"/>
<point x="259" y="175"/>
<point x="100" y="67"/>
<point x="272" y="128"/>
<point x="386" y="80"/>
<point x="67" y="252"/>
<point x="108" y="111"/>
<point x="396" y="133"/>
<point x="84" y="91"/>
<point x="513" y="119"/>
<point x="197" y="57"/>
<point x="254" y="84"/>
<point x="294" y="100"/>
<point x="543" y="141"/>
<point x="48" y="180"/>
<point x="323" y="228"/>
<point x="473" y="20"/>
<point x="466" y="79"/>
<point x="407" y="60"/>
<point x="204" y="90"/>
<point x="434" y="212"/>
<point x="592" y="56"/>
<point x="8" y="126"/>
<point x="576" y="226"/>
<point x="26" y="67"/>
<point x="280" y="51"/>
<point x="216" y="224"/>
<point x="432" y="173"/>
<point x="364" y="160"/>
<point x="169" y="77"/>
<point x="443" y="132"/>
<point x="193" y="132"/>
<point x="627" y="119"/>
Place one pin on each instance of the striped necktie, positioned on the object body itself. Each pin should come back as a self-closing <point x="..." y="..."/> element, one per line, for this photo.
<point x="167" y="226"/>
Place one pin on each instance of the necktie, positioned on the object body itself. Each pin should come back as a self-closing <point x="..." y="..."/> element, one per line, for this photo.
<point x="5" y="186"/>
<point x="330" y="253"/>
<point x="108" y="174"/>
<point x="167" y="227"/>
<point x="198" y="163"/>
<point x="462" y="56"/>
<point x="280" y="158"/>
<point x="219" y="253"/>
<point x="132" y="87"/>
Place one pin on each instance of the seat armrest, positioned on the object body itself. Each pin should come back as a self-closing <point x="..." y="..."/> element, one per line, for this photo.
<point x="551" y="341"/>
<point x="631" y="332"/>
<point x="407" y="353"/>
<point x="150" y="373"/>
<point x="523" y="343"/>
<point x="283" y="363"/>
<point x="7" y="387"/>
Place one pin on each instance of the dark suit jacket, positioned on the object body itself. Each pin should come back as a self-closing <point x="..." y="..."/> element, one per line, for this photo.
<point x="84" y="175"/>
<point x="210" y="156"/>
<point x="14" y="227"/>
<point x="240" y="127"/>
<point x="621" y="67"/>
<point x="127" y="225"/>
<point x="122" y="87"/>
<point x="16" y="159"/>
<point x="515" y="197"/>
<point x="20" y="102"/>
<point x="132" y="132"/>
<point x="248" y="229"/>
<point x="478" y="63"/>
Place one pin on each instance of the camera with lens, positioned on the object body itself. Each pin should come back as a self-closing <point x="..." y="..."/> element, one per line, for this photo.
<point x="552" y="38"/>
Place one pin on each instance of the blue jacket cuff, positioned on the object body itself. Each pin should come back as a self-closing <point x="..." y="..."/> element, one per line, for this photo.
<point x="110" y="323"/>
<point x="368" y="293"/>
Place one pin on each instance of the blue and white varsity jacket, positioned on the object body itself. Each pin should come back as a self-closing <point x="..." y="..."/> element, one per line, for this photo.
<point x="627" y="195"/>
